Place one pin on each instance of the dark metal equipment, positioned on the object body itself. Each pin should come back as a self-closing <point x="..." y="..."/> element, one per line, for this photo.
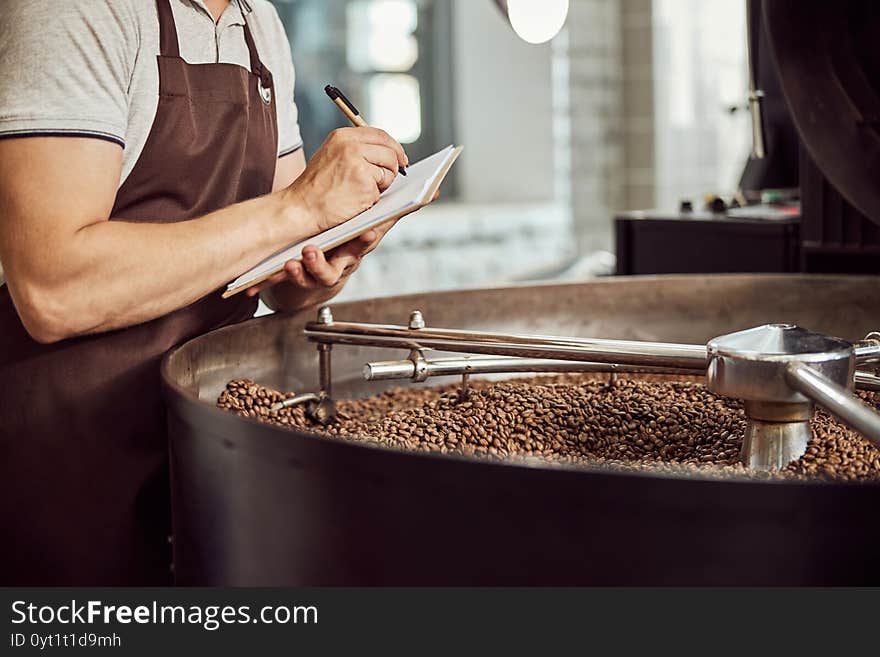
<point x="826" y="54"/>
<point x="773" y="161"/>
<point x="258" y="504"/>
<point x="691" y="242"/>
<point x="830" y="75"/>
<point x="815" y="103"/>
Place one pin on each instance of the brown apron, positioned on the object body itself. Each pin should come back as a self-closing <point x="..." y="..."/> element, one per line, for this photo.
<point x="83" y="441"/>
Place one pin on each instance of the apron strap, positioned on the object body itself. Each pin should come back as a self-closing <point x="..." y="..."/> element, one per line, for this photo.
<point x="257" y="67"/>
<point x="168" y="43"/>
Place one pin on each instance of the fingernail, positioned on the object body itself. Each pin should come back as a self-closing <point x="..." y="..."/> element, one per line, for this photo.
<point x="311" y="256"/>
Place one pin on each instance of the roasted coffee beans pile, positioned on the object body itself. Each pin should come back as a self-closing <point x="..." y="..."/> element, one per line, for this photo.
<point x="647" y="423"/>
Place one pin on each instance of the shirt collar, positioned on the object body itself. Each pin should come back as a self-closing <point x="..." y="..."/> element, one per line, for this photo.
<point x="234" y="15"/>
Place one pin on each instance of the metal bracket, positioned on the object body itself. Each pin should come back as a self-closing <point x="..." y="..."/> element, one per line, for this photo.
<point x="421" y="371"/>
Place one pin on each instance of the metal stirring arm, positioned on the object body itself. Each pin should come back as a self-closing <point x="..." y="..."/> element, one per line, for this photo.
<point x="622" y="352"/>
<point x="867" y="381"/>
<point x="835" y="399"/>
<point x="867" y="352"/>
<point x="420" y="369"/>
<point x="417" y="368"/>
<point x="733" y="357"/>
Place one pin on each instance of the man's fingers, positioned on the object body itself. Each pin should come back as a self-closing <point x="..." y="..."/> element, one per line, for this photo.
<point x="383" y="177"/>
<point x="371" y="239"/>
<point x="382" y="230"/>
<point x="357" y="246"/>
<point x="342" y="257"/>
<point x="381" y="156"/>
<point x="321" y="270"/>
<point x="388" y="177"/>
<point x="369" y="248"/>
<point x="315" y="269"/>
<point x="385" y="161"/>
<point x="297" y="273"/>
<point x="381" y="138"/>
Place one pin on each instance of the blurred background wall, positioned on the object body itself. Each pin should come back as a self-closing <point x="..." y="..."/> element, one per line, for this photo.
<point x="628" y="108"/>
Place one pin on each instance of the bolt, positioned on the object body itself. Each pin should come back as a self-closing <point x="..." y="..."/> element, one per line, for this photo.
<point x="325" y="316"/>
<point x="416" y="320"/>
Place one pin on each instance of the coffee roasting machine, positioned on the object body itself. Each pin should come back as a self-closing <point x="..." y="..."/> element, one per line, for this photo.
<point x="257" y="504"/>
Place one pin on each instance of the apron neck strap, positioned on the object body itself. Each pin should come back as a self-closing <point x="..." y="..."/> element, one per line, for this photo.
<point x="169" y="46"/>
<point x="257" y="67"/>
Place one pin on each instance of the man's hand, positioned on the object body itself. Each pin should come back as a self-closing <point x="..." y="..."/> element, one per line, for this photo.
<point x="347" y="175"/>
<point x="319" y="277"/>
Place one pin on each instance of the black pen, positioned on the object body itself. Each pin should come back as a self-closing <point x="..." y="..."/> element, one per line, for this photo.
<point x="350" y="111"/>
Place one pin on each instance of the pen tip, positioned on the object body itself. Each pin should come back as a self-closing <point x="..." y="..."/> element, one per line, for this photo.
<point x="331" y="91"/>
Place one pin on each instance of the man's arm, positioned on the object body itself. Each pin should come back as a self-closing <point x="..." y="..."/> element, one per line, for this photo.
<point x="289" y="168"/>
<point x="72" y="272"/>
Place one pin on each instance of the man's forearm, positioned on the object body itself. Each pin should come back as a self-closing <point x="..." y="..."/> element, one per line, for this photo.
<point x="113" y="274"/>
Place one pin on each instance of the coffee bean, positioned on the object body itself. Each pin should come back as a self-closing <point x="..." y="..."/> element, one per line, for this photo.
<point x="652" y="423"/>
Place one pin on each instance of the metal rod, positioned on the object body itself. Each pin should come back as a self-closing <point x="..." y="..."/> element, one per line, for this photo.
<point x="867" y="352"/>
<point x="406" y="369"/>
<point x="396" y="370"/>
<point x="834" y="399"/>
<point x="756" y="96"/>
<point x="296" y="401"/>
<point x="324" y="371"/>
<point x="624" y="352"/>
<point x="867" y="381"/>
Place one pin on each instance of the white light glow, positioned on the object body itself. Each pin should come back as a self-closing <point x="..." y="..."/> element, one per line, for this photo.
<point x="537" y="21"/>
<point x="380" y="35"/>
<point x="394" y="103"/>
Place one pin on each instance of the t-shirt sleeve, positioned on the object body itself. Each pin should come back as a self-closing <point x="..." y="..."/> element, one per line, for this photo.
<point x="67" y="68"/>
<point x="289" y="137"/>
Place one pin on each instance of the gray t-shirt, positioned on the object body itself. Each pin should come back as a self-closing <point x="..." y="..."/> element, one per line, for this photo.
<point x="88" y="67"/>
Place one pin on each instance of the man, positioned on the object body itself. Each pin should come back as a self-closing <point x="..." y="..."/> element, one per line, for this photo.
<point x="149" y="153"/>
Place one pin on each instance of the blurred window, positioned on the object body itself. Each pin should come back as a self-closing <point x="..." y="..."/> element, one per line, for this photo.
<point x="385" y="55"/>
<point x="381" y="35"/>
<point x="700" y="71"/>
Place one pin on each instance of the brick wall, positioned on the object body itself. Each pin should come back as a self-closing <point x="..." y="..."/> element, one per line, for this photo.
<point x="638" y="105"/>
<point x="611" y="113"/>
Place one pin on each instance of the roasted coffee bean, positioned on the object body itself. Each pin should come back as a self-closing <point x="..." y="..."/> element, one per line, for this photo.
<point x="654" y="423"/>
